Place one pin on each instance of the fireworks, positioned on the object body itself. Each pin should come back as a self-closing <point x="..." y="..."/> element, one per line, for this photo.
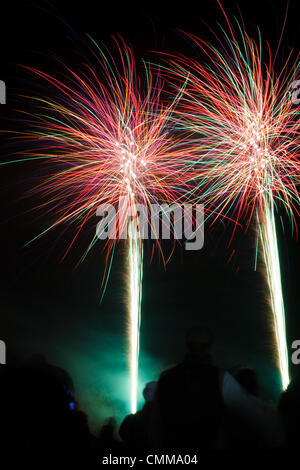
<point x="104" y="135"/>
<point x="229" y="131"/>
<point x="245" y="131"/>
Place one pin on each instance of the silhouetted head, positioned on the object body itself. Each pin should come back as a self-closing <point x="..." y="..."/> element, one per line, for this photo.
<point x="247" y="378"/>
<point x="37" y="407"/>
<point x="199" y="339"/>
<point x="149" y="391"/>
<point x="108" y="428"/>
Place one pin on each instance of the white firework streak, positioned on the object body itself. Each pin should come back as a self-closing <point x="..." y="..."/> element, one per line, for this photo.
<point x="268" y="237"/>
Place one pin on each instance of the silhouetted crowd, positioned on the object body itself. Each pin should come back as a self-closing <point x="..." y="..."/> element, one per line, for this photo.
<point x="193" y="406"/>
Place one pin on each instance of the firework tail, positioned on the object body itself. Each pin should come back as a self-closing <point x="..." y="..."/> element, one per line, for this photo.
<point x="246" y="129"/>
<point x="134" y="286"/>
<point x="105" y="132"/>
<point x="268" y="237"/>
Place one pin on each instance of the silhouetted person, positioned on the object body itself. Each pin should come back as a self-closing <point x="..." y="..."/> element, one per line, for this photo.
<point x="196" y="402"/>
<point x="189" y="397"/>
<point x="106" y="441"/>
<point x="134" y="430"/>
<point x="38" y="408"/>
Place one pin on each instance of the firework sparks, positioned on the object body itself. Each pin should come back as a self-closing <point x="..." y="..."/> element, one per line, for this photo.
<point x="246" y="135"/>
<point x="106" y="135"/>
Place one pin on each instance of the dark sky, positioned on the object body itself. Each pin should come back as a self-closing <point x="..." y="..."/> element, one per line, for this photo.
<point x="51" y="308"/>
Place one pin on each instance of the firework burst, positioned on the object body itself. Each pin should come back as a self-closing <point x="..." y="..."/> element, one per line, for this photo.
<point x="104" y="135"/>
<point x="246" y="133"/>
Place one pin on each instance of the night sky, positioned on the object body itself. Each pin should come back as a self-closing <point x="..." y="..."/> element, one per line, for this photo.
<point x="51" y="308"/>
